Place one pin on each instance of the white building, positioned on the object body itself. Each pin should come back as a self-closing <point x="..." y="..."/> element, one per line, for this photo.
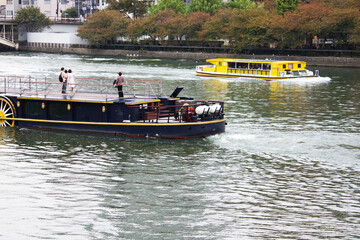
<point x="51" y="8"/>
<point x="58" y="35"/>
<point x="54" y="8"/>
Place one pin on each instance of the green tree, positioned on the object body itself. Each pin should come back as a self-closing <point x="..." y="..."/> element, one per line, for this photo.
<point x="134" y="7"/>
<point x="70" y="13"/>
<point x="286" y="6"/>
<point x="104" y="26"/>
<point x="206" y="6"/>
<point x="31" y="19"/>
<point x="243" y="4"/>
<point x="178" y="6"/>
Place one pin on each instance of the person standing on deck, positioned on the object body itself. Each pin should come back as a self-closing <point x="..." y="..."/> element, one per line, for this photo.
<point x="63" y="75"/>
<point x="71" y="80"/>
<point x="119" y="84"/>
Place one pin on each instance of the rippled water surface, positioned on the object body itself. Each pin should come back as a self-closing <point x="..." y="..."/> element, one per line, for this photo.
<point x="286" y="168"/>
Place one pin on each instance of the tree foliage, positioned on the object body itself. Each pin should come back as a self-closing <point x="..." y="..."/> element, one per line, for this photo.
<point x="31" y="19"/>
<point x="249" y="28"/>
<point x="178" y="6"/>
<point x="70" y="13"/>
<point x="355" y="33"/>
<point x="286" y="6"/>
<point x="104" y="26"/>
<point x="206" y="6"/>
<point x="243" y="26"/>
<point x="314" y="19"/>
<point x="134" y="7"/>
<point x="218" y="26"/>
<point x="243" y="4"/>
<point x="152" y="26"/>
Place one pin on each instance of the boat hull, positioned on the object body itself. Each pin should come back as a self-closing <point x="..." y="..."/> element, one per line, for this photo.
<point x="156" y="130"/>
<point x="266" y="78"/>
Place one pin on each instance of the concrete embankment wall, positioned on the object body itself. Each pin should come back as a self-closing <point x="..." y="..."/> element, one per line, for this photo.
<point x="314" y="61"/>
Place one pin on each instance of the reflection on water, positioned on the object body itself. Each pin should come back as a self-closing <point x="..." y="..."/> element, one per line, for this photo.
<point x="286" y="167"/>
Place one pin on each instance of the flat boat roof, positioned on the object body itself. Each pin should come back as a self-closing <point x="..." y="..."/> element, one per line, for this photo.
<point x="250" y="60"/>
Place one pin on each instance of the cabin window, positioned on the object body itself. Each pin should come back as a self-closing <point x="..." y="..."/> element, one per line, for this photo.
<point x="266" y="66"/>
<point x="284" y="65"/>
<point x="299" y="65"/>
<point x="302" y="72"/>
<point x="296" y="73"/>
<point x="257" y="66"/>
<point x="243" y="65"/>
<point x="220" y="63"/>
<point x="231" y="65"/>
<point x="290" y="65"/>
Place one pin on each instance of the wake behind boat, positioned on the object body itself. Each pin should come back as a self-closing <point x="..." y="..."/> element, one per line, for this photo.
<point x="144" y="111"/>
<point x="251" y="68"/>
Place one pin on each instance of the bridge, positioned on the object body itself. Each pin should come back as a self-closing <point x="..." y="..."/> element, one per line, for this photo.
<point x="7" y="32"/>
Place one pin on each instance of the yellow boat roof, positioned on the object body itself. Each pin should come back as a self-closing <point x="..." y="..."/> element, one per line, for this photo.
<point x="215" y="60"/>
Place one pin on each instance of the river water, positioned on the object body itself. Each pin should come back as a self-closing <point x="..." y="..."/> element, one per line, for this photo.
<point x="287" y="166"/>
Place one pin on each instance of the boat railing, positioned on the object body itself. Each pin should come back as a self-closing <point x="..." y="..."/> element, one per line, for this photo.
<point x="261" y="72"/>
<point x="180" y="112"/>
<point x="86" y="87"/>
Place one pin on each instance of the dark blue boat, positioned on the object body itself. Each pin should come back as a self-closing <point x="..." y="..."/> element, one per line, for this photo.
<point x="31" y="103"/>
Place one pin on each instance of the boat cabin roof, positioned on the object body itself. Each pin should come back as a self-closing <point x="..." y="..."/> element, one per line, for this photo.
<point x="216" y="60"/>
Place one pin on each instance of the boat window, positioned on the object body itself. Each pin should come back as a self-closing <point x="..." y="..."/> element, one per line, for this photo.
<point x="284" y="65"/>
<point x="290" y="65"/>
<point x="257" y="66"/>
<point x="220" y="63"/>
<point x="299" y="65"/>
<point x="231" y="65"/>
<point x="296" y="73"/>
<point x="243" y="65"/>
<point x="302" y="72"/>
<point x="266" y="66"/>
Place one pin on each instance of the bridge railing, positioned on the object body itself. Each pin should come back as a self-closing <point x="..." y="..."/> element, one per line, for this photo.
<point x="52" y="18"/>
<point x="7" y="17"/>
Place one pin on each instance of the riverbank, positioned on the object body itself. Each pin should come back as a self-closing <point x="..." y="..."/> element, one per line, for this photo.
<point x="314" y="61"/>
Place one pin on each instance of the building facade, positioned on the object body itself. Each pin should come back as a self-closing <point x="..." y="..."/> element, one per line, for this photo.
<point x="52" y="8"/>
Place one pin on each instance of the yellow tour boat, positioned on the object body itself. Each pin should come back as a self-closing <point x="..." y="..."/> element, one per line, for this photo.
<point x="252" y="68"/>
